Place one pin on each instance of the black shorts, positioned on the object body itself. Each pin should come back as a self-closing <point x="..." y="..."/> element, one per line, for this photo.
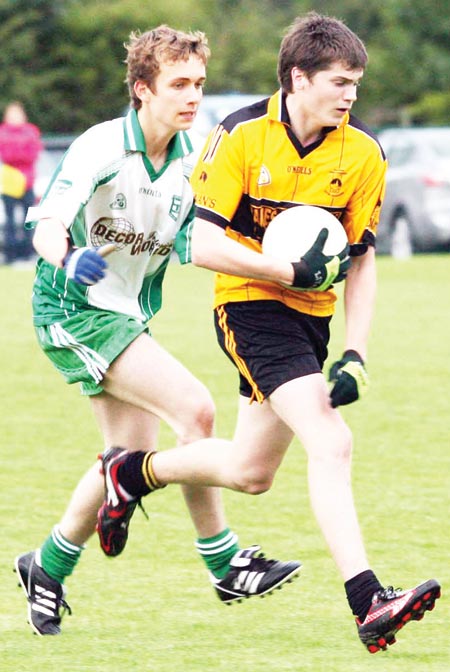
<point x="270" y="344"/>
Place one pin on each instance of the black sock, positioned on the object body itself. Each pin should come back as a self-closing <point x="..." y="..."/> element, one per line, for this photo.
<point x="360" y="590"/>
<point x="130" y="474"/>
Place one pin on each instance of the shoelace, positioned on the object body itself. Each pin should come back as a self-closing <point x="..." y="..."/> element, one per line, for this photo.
<point x="260" y="559"/>
<point x="141" y="506"/>
<point x="65" y="606"/>
<point x="60" y="603"/>
<point x="389" y="593"/>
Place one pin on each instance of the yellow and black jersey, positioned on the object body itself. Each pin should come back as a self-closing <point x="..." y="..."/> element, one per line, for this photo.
<point x="252" y="167"/>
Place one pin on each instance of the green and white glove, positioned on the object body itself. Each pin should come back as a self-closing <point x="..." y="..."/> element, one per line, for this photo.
<point x="317" y="271"/>
<point x="350" y="379"/>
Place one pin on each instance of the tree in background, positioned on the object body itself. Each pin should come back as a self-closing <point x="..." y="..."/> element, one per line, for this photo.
<point x="27" y="59"/>
<point x="63" y="58"/>
<point x="245" y="38"/>
<point x="409" y="62"/>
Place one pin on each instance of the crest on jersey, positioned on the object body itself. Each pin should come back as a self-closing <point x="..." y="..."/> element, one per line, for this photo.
<point x="119" y="202"/>
<point x="264" y="177"/>
<point x="335" y="187"/>
<point x="175" y="207"/>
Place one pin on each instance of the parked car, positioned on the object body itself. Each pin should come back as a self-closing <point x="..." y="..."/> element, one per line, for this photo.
<point x="215" y="107"/>
<point x="415" y="216"/>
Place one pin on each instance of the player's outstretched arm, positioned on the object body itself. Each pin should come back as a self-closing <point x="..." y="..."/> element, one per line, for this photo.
<point x="212" y="249"/>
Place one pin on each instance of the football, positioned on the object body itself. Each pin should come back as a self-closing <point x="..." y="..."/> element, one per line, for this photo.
<point x="292" y="233"/>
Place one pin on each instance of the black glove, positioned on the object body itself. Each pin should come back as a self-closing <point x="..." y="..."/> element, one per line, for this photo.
<point x="350" y="379"/>
<point x="316" y="271"/>
<point x="84" y="265"/>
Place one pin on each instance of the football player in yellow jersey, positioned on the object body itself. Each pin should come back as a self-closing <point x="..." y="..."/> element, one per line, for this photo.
<point x="301" y="146"/>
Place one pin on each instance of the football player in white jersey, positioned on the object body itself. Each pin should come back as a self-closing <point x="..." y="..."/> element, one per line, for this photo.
<point x="118" y="205"/>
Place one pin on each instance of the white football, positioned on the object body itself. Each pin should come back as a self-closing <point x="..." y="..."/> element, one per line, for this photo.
<point x="292" y="233"/>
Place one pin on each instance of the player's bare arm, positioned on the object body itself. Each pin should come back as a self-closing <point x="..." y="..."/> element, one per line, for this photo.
<point x="51" y="240"/>
<point x="212" y="249"/>
<point x="359" y="300"/>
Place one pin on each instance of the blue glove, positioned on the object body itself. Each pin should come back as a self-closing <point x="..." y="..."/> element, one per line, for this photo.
<point x="350" y="379"/>
<point x="317" y="271"/>
<point x="84" y="265"/>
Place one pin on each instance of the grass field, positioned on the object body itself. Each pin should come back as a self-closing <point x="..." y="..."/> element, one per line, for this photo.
<point x="153" y="608"/>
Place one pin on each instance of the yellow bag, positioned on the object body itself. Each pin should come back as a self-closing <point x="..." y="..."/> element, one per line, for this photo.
<point x="12" y="181"/>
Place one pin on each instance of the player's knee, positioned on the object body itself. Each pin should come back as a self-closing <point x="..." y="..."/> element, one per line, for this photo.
<point x="341" y="446"/>
<point x="199" y="418"/>
<point x="254" y="481"/>
<point x="204" y="417"/>
<point x="334" y="445"/>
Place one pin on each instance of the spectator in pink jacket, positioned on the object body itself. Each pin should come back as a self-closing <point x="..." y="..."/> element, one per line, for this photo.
<point x="20" y="145"/>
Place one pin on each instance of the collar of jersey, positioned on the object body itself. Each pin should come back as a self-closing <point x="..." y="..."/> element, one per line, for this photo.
<point x="134" y="140"/>
<point x="277" y="111"/>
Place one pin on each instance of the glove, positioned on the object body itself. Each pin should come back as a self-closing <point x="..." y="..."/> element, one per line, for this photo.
<point x="84" y="265"/>
<point x="316" y="271"/>
<point x="350" y="379"/>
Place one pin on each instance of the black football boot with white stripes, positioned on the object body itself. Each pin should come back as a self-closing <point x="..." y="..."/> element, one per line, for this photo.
<point x="46" y="603"/>
<point x="251" y="574"/>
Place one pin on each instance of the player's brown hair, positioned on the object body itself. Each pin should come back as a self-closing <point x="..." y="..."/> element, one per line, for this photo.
<point x="315" y="42"/>
<point x="148" y="50"/>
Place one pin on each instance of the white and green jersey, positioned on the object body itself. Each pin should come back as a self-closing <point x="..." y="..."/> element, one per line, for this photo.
<point x="105" y="190"/>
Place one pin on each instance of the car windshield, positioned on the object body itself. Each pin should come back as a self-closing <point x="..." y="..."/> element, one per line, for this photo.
<point x="441" y="146"/>
<point x="215" y="107"/>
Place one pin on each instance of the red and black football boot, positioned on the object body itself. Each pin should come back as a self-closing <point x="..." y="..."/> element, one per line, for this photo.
<point x="114" y="515"/>
<point x="392" y="609"/>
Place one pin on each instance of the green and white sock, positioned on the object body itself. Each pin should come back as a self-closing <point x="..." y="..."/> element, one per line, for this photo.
<point x="217" y="551"/>
<point x="58" y="556"/>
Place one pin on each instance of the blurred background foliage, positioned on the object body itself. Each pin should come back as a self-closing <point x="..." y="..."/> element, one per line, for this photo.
<point x="64" y="58"/>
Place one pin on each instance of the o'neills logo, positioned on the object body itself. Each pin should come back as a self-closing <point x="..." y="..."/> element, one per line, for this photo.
<point x="121" y="232"/>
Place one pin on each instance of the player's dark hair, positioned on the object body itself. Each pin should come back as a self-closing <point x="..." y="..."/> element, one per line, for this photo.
<point x="148" y="50"/>
<point x="316" y="42"/>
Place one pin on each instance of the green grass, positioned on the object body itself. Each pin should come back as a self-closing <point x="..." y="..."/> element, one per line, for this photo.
<point x="153" y="608"/>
